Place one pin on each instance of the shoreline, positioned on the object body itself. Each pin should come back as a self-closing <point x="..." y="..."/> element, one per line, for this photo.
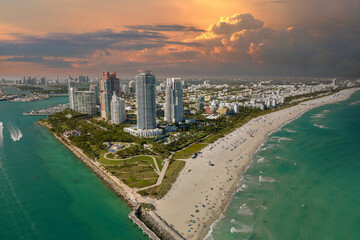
<point x="100" y="172"/>
<point x="185" y="193"/>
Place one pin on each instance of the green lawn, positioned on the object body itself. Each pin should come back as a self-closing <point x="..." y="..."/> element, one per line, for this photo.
<point x="159" y="161"/>
<point x="189" y="151"/>
<point x="171" y="174"/>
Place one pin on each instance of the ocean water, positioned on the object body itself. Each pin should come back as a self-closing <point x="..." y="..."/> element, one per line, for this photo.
<point x="304" y="182"/>
<point x="46" y="192"/>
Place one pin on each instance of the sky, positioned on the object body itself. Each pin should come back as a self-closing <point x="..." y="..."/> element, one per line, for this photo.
<point x="187" y="38"/>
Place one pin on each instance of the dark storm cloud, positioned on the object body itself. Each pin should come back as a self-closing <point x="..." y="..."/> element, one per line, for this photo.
<point x="55" y="63"/>
<point x="83" y="44"/>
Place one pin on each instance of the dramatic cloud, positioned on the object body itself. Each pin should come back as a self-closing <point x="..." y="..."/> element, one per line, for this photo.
<point x="236" y="23"/>
<point x="165" y="28"/>
<point x="240" y="44"/>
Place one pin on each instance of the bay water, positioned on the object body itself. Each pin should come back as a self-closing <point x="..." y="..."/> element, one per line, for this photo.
<point x="45" y="191"/>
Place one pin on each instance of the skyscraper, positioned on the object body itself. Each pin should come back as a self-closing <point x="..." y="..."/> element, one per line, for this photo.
<point x="95" y="88"/>
<point x="145" y="98"/>
<point x="72" y="91"/>
<point x="85" y="102"/>
<point x="109" y="84"/>
<point x="174" y="106"/>
<point x="118" y="114"/>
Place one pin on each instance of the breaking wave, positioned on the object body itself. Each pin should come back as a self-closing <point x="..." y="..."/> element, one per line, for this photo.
<point x="245" y="210"/>
<point x="266" y="179"/>
<point x="319" y="126"/>
<point x="285" y="139"/>
<point x="242" y="228"/>
<point x="1" y="134"/>
<point x="289" y="130"/>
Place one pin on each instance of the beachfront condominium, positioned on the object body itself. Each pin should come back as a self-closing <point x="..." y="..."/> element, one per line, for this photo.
<point x="85" y="102"/>
<point x="109" y="85"/>
<point x="82" y="101"/>
<point x="95" y="88"/>
<point x="145" y="98"/>
<point x="174" y="106"/>
<point x="72" y="91"/>
<point x="118" y="114"/>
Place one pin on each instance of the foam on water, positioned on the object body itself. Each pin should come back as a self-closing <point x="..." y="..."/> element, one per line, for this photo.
<point x="15" y="133"/>
<point x="241" y="228"/>
<point x="242" y="188"/>
<point x="261" y="160"/>
<point x="245" y="210"/>
<point x="285" y="139"/>
<point x="209" y="235"/>
<point x="320" y="126"/>
<point x="356" y="102"/>
<point x="289" y="130"/>
<point x="266" y="179"/>
<point x="1" y="134"/>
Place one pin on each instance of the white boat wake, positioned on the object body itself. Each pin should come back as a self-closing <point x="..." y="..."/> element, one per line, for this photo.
<point x="1" y="134"/>
<point x="15" y="133"/>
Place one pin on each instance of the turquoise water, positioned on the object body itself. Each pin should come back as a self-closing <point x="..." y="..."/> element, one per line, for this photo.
<point x="66" y="201"/>
<point x="310" y="181"/>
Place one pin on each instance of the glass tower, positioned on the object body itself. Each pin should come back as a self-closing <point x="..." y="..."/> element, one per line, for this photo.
<point x="145" y="98"/>
<point x="174" y="106"/>
<point x="109" y="84"/>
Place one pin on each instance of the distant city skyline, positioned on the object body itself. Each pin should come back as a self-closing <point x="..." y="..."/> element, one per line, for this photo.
<point x="230" y="38"/>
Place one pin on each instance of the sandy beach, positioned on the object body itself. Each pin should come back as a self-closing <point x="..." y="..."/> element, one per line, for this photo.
<point x="207" y="183"/>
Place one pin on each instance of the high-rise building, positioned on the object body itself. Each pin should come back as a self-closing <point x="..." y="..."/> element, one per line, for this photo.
<point x="95" y="88"/>
<point x="145" y="98"/>
<point x="118" y="114"/>
<point x="85" y="102"/>
<point x="72" y="91"/>
<point x="109" y="84"/>
<point x="174" y="106"/>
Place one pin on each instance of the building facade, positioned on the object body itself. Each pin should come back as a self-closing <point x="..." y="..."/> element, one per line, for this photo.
<point x="109" y="85"/>
<point x="145" y="98"/>
<point x="174" y="106"/>
<point x="95" y="88"/>
<point x="118" y="114"/>
<point x="83" y="101"/>
<point x="72" y="91"/>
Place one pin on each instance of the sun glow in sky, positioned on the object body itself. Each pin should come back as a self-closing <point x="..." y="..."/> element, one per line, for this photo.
<point x="182" y="38"/>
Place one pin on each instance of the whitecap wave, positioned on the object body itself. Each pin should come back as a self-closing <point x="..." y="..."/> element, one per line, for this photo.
<point x="354" y="102"/>
<point x="242" y="228"/>
<point x="1" y="134"/>
<point x="319" y="115"/>
<point x="320" y="126"/>
<point x="245" y="210"/>
<point x="209" y="235"/>
<point x="289" y="130"/>
<point x="242" y="188"/>
<point x="285" y="139"/>
<point x="15" y="133"/>
<point x="266" y="179"/>
<point x="261" y="160"/>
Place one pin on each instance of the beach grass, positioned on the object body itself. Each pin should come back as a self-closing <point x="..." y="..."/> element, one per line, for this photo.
<point x="174" y="168"/>
<point x="189" y="151"/>
<point x="135" y="172"/>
